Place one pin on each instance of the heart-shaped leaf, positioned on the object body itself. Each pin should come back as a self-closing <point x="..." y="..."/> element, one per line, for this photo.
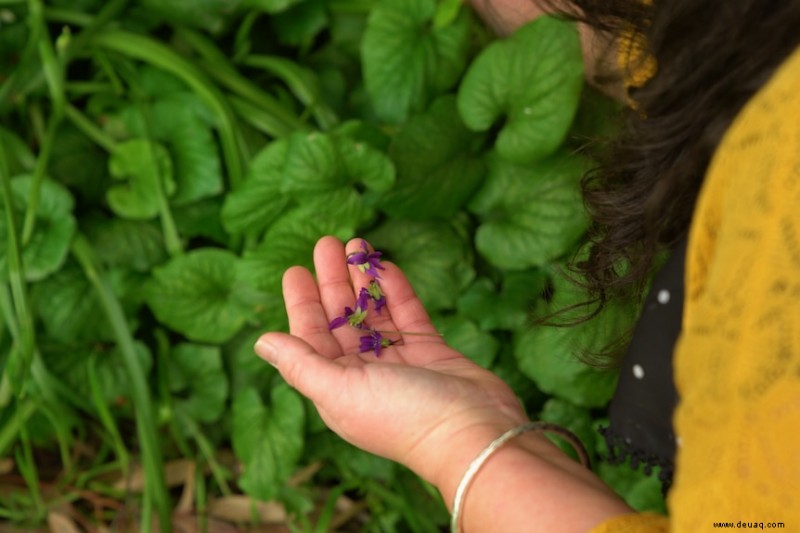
<point x="128" y="243"/>
<point x="434" y="179"/>
<point x="507" y="307"/>
<point x="316" y="171"/>
<point x="49" y="244"/>
<point x="145" y="169"/>
<point x="268" y="440"/>
<point x="181" y="122"/>
<point x="532" y="214"/>
<point x="465" y="336"/>
<point x="533" y="82"/>
<point x="70" y="310"/>
<point x="290" y="241"/>
<point x="198" y="381"/>
<point x="253" y="206"/>
<point x="407" y="60"/>
<point x="551" y="356"/>
<point x="200" y="296"/>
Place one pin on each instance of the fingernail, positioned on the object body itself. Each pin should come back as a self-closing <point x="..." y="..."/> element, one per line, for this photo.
<point x="267" y="351"/>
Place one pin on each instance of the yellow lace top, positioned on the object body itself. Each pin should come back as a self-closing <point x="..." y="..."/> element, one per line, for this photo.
<point x="737" y="363"/>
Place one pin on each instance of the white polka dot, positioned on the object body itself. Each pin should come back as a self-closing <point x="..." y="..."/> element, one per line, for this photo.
<point x="679" y="441"/>
<point x="638" y="371"/>
<point x="663" y="296"/>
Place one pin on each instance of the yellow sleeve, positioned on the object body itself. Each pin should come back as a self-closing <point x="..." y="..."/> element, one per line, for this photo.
<point x="737" y="363"/>
<point x="635" y="523"/>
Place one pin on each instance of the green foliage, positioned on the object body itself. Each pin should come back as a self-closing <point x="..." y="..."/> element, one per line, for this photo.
<point x="537" y="101"/>
<point x="163" y="162"/>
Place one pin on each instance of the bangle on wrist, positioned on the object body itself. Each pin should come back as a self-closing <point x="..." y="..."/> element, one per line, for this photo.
<point x="478" y="462"/>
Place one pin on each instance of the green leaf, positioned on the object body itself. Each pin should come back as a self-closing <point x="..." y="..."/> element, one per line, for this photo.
<point x="253" y="206"/>
<point x="210" y="15"/>
<point x="267" y="440"/>
<point x="406" y="60"/>
<point x="642" y="492"/>
<point x="245" y="368"/>
<point x="549" y="355"/>
<point x="145" y="168"/>
<point x="299" y="25"/>
<point x="187" y="134"/>
<point x="201" y="219"/>
<point x="506" y="308"/>
<point x="533" y="82"/>
<point x="70" y="364"/>
<point x="312" y="164"/>
<point x="465" y="336"/>
<point x="183" y="124"/>
<point x="200" y="296"/>
<point x="271" y="6"/>
<point x="290" y="241"/>
<point x="69" y="309"/>
<point x="320" y="163"/>
<point x="532" y="214"/>
<point x="432" y="254"/>
<point x="55" y="227"/>
<point x="319" y="172"/>
<point x="446" y="12"/>
<point x="80" y="164"/>
<point x="434" y="179"/>
<point x="130" y="243"/>
<point x="198" y="381"/>
<point x="19" y="157"/>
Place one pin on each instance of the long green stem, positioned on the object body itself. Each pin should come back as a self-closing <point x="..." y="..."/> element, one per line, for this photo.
<point x="207" y="450"/>
<point x="8" y="433"/>
<point x="54" y="75"/>
<point x="160" y="55"/>
<point x="17" y="366"/>
<point x="27" y="467"/>
<point x="90" y="129"/>
<point x="155" y="487"/>
<point x="38" y="175"/>
<point x="218" y="66"/>
<point x="108" y="12"/>
<point x="302" y="82"/>
<point x="106" y="418"/>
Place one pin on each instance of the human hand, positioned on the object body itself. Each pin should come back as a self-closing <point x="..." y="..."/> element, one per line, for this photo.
<point x="419" y="402"/>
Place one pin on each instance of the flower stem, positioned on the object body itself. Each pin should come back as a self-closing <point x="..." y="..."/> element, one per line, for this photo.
<point x="409" y="333"/>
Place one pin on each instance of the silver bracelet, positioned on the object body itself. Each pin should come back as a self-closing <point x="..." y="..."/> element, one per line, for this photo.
<point x="478" y="462"/>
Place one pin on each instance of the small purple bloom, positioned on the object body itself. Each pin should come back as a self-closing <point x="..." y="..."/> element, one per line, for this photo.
<point x="376" y="293"/>
<point x="363" y="299"/>
<point x="353" y="317"/>
<point x="374" y="342"/>
<point x="365" y="260"/>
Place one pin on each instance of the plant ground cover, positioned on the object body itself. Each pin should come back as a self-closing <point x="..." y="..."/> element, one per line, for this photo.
<point x="163" y="162"/>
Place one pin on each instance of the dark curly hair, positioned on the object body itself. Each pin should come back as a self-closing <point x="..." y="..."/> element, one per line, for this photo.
<point x="711" y="57"/>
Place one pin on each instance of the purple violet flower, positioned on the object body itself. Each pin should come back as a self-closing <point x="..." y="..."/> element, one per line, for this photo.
<point x="365" y="260"/>
<point x="376" y="293"/>
<point x="353" y="317"/>
<point x="374" y="342"/>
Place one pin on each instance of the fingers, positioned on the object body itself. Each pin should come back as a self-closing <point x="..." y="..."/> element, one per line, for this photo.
<point x="312" y="305"/>
<point x="307" y="317"/>
<point x="336" y="288"/>
<point x="300" y="364"/>
<point x="407" y="312"/>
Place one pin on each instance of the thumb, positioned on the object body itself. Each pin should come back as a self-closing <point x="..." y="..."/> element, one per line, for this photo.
<point x="300" y="365"/>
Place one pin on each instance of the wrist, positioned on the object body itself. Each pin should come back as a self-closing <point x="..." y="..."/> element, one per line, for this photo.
<point x="516" y="453"/>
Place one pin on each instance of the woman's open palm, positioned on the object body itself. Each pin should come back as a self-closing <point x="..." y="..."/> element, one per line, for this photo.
<point x="408" y="402"/>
